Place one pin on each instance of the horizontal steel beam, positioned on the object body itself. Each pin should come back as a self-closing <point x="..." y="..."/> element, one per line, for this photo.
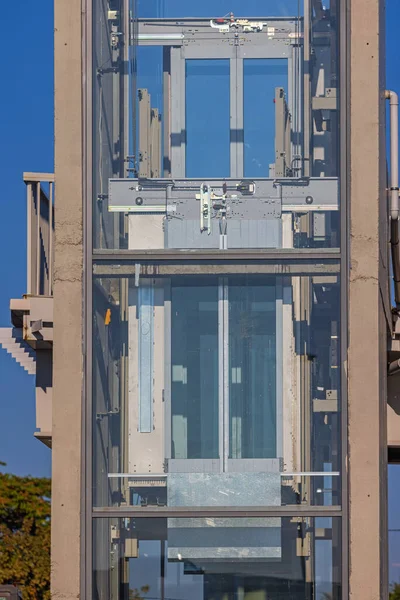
<point x="241" y="255"/>
<point x="218" y="511"/>
<point x="212" y="264"/>
<point x="242" y="198"/>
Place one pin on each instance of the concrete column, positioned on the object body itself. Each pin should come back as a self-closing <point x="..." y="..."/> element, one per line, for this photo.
<point x="367" y="315"/>
<point x="68" y="295"/>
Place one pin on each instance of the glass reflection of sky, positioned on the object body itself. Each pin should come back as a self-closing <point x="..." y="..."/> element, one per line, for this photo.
<point x="214" y="8"/>
<point x="394" y="523"/>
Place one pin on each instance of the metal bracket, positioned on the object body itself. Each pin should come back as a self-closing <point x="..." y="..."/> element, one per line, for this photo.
<point x="205" y="208"/>
<point x="238" y="198"/>
<point x="229" y="22"/>
<point x="110" y="413"/>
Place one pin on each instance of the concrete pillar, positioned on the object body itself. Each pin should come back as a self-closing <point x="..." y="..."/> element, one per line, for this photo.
<point x="367" y="309"/>
<point x="68" y="295"/>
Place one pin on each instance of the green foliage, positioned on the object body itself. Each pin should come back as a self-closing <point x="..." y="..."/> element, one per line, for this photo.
<point x="137" y="594"/>
<point x="25" y="535"/>
<point x="394" y="592"/>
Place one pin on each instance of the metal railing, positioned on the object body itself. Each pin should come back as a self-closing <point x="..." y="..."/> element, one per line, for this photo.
<point x="40" y="233"/>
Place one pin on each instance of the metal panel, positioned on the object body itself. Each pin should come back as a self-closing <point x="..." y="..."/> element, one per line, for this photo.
<point x="221" y="309"/>
<point x="224" y="489"/>
<point x="146" y="343"/>
<point x="280" y="27"/>
<point x="237" y="116"/>
<point x="307" y="122"/>
<point x="270" y="50"/>
<point x="194" y="465"/>
<point x="221" y="539"/>
<point x="225" y="351"/>
<point x="180" y="195"/>
<point x="185" y="233"/>
<point x="265" y="233"/>
<point x="178" y="114"/>
<point x="166" y="112"/>
<point x="144" y="133"/>
<point x="167" y="371"/>
<point x="282" y="135"/>
<point x="155" y="143"/>
<point x="164" y="269"/>
<point x="279" y="367"/>
<point x="254" y="465"/>
<point x="285" y="254"/>
<point x="295" y="510"/>
<point x="213" y="50"/>
<point x="146" y="373"/>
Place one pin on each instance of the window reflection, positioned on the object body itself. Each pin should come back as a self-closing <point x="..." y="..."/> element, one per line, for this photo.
<point x="217" y="390"/>
<point x="194" y="383"/>
<point x="210" y="8"/>
<point x="394" y="530"/>
<point x="217" y="559"/>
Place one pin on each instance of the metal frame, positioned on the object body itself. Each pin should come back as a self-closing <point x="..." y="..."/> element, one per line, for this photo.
<point x="222" y="511"/>
<point x="193" y="42"/>
<point x="88" y="512"/>
<point x="86" y="564"/>
<point x="344" y="145"/>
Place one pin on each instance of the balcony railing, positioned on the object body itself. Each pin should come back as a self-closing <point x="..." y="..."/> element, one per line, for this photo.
<point x="40" y="233"/>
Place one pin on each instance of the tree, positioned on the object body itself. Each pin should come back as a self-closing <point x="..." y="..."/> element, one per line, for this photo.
<point x="25" y="534"/>
<point x="137" y="594"/>
<point x="394" y="592"/>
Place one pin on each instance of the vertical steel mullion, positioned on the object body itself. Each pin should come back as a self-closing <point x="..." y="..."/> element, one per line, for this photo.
<point x="124" y="122"/>
<point x="344" y="174"/>
<point x="279" y="367"/>
<point x="178" y="113"/>
<point x="155" y="143"/>
<point x="146" y="356"/>
<point x="236" y="115"/>
<point x="306" y="92"/>
<point x="293" y="95"/>
<point x="221" y="372"/>
<point x="144" y="133"/>
<point x="291" y="91"/>
<point x="226" y="370"/>
<point x="38" y="245"/>
<point x="167" y="367"/>
<point x="118" y="148"/>
<point x="182" y="97"/>
<point x="166" y="161"/>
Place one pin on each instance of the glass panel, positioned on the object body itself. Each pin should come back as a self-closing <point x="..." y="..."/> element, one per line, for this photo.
<point x="149" y="84"/>
<point x="207" y="118"/>
<point x="146" y="117"/>
<point x="263" y="76"/>
<point x="217" y="390"/>
<point x="217" y="559"/>
<point x="252" y="368"/>
<point x="194" y="361"/>
<point x="210" y="8"/>
<point x="394" y="528"/>
<point x="316" y="230"/>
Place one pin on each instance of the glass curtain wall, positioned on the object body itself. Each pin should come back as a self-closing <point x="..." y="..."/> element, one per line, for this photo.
<point x="215" y="126"/>
<point x="216" y="317"/>
<point x="215" y="559"/>
<point x="222" y="389"/>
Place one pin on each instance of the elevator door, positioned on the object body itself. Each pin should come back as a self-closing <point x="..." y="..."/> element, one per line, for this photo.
<point x="224" y="375"/>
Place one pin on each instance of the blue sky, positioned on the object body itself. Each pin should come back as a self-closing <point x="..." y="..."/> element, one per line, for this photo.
<point x="26" y="144"/>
